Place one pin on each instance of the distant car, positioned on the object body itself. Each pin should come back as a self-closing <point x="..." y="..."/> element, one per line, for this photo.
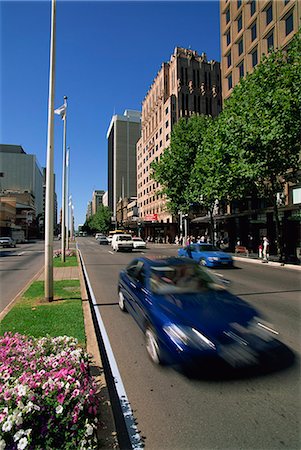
<point x="7" y="241"/>
<point x="122" y="242"/>
<point x="138" y="243"/>
<point x="103" y="240"/>
<point x="207" y="255"/>
<point x="189" y="318"/>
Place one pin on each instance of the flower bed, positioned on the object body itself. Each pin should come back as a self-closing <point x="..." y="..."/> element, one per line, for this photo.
<point x="58" y="253"/>
<point x="47" y="397"/>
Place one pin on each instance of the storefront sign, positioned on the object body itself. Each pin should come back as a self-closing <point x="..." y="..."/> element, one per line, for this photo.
<point x="151" y="218"/>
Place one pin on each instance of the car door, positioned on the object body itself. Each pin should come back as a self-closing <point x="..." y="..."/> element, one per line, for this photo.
<point x="138" y="293"/>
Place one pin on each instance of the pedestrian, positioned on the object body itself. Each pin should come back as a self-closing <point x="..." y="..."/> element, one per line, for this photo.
<point x="260" y="251"/>
<point x="265" y="249"/>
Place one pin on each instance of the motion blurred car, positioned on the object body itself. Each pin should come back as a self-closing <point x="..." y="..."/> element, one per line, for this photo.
<point x="103" y="240"/>
<point x="7" y="241"/>
<point x="207" y="255"/>
<point x="138" y="243"/>
<point x="189" y="318"/>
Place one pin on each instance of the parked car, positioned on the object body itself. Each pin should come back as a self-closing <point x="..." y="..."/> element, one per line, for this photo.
<point x="103" y="240"/>
<point x="7" y="241"/>
<point x="139" y="243"/>
<point x="189" y="318"/>
<point x="207" y="255"/>
<point x="122" y="242"/>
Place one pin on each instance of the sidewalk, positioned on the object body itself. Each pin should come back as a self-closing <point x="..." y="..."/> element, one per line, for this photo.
<point x="253" y="258"/>
<point x="62" y="273"/>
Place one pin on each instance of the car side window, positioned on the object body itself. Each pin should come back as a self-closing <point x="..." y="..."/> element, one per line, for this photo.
<point x="140" y="275"/>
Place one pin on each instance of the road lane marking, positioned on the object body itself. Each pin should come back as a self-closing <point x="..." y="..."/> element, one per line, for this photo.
<point x="109" y="251"/>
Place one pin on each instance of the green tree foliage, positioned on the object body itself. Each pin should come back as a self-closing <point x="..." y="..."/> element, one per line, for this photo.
<point x="99" y="222"/>
<point x="264" y="113"/>
<point x="173" y="171"/>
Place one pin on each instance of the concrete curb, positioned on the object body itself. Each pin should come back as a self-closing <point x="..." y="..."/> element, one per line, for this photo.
<point x="107" y="435"/>
<point x="269" y="263"/>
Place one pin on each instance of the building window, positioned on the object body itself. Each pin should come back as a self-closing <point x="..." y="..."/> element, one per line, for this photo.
<point x="230" y="84"/>
<point x="270" y="41"/>
<point x="252" y="7"/>
<point x="241" y="70"/>
<point x="239" y="4"/>
<point x="240" y="47"/>
<point x="228" y="15"/>
<point x="254" y="58"/>
<point x="239" y="23"/>
<point x="229" y="62"/>
<point x="228" y="37"/>
<point x="166" y="111"/>
<point x="289" y="24"/>
<point x="269" y="14"/>
<point x="286" y="2"/>
<point x="253" y="32"/>
<point x="166" y="124"/>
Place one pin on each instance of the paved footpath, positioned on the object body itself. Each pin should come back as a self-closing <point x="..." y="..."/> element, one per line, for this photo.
<point x="62" y="273"/>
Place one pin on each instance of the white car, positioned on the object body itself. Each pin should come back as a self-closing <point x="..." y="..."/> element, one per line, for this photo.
<point x="139" y="243"/>
<point x="122" y="242"/>
<point x="7" y="242"/>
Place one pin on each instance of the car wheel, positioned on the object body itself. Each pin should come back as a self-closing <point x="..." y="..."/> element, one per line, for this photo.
<point x="203" y="262"/>
<point x="121" y="301"/>
<point x="152" y="346"/>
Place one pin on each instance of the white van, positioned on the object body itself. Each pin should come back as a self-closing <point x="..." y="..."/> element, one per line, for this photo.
<point x="122" y="242"/>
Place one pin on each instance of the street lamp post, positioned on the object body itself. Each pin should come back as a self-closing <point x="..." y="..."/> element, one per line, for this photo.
<point x="63" y="232"/>
<point x="67" y="197"/>
<point x="49" y="200"/>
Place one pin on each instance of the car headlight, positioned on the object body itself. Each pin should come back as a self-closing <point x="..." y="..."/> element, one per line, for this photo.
<point x="262" y="329"/>
<point x="213" y="258"/>
<point x="182" y="335"/>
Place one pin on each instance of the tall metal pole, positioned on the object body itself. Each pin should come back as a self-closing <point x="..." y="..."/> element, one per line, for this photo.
<point x="63" y="232"/>
<point x="72" y="223"/>
<point x="49" y="200"/>
<point x="67" y="197"/>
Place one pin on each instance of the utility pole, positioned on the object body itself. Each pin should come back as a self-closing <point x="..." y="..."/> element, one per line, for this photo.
<point x="63" y="246"/>
<point x="49" y="201"/>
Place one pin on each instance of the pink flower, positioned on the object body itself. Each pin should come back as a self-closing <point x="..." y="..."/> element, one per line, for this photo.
<point x="75" y="393"/>
<point x="61" y="398"/>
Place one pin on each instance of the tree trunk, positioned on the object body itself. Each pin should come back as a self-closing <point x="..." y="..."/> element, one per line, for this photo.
<point x="279" y="241"/>
<point x="212" y="228"/>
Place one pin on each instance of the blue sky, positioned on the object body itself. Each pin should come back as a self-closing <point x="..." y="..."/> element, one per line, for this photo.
<point x="107" y="55"/>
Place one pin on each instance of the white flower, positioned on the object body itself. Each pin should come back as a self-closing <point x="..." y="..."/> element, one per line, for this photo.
<point x="7" y="426"/>
<point x="2" y="444"/>
<point x="28" y="407"/>
<point x="22" y="443"/>
<point x="18" y="435"/>
<point x="21" y="390"/>
<point x="89" y="430"/>
<point x="59" y="409"/>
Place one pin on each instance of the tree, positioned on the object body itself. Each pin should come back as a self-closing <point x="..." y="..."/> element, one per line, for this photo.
<point x="99" y="222"/>
<point x="173" y="171"/>
<point x="264" y="113"/>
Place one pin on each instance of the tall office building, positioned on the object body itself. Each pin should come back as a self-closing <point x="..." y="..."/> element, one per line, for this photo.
<point x="249" y="28"/>
<point x="97" y="200"/>
<point x="123" y="134"/>
<point x="187" y="84"/>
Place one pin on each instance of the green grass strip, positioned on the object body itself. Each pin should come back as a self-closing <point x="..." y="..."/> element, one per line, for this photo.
<point x="69" y="261"/>
<point x="32" y="316"/>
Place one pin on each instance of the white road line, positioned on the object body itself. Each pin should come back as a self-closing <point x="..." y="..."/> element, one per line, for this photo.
<point x="123" y="399"/>
<point x="109" y="251"/>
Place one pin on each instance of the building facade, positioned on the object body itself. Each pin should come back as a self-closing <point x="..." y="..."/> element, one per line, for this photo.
<point x="97" y="200"/>
<point x="123" y="134"/>
<point x="21" y="179"/>
<point x="249" y="28"/>
<point x="187" y="84"/>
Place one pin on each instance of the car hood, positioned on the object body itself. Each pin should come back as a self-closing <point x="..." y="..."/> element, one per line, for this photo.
<point x="211" y="312"/>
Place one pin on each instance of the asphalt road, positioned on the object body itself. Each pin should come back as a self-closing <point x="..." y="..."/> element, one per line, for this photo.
<point x="175" y="411"/>
<point x="17" y="267"/>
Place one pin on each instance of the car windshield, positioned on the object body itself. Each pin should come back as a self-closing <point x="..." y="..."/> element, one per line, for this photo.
<point x="125" y="238"/>
<point x="181" y="279"/>
<point x="208" y="248"/>
<point x="137" y="239"/>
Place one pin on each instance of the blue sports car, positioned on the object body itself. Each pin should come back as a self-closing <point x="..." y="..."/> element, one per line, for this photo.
<point x="207" y="255"/>
<point x="188" y="316"/>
